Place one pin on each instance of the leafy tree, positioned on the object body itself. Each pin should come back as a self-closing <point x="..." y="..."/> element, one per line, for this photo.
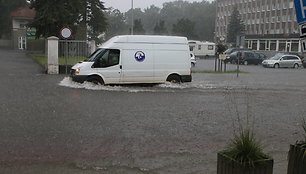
<point x="7" y="6"/>
<point x="202" y="14"/>
<point x="184" y="27"/>
<point x="160" y="28"/>
<point x="49" y="21"/>
<point x="116" y="24"/>
<point x="150" y="18"/>
<point x="93" y="16"/>
<point x="137" y="13"/>
<point x="138" y="27"/>
<point x="235" y="26"/>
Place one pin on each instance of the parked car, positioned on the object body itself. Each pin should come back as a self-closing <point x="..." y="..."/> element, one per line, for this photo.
<point x="304" y="62"/>
<point x="281" y="60"/>
<point x="193" y="60"/>
<point x="262" y="56"/>
<point x="245" y="57"/>
<point x="231" y="50"/>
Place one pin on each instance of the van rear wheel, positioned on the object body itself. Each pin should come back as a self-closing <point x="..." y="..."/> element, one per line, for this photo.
<point x="95" y="80"/>
<point x="174" y="78"/>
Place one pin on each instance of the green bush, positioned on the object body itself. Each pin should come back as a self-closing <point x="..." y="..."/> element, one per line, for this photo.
<point x="245" y="149"/>
<point x="302" y="143"/>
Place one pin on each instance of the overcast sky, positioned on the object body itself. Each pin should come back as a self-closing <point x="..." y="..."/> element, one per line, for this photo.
<point x="125" y="5"/>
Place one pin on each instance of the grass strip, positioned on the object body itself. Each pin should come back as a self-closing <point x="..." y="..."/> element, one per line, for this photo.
<point x="71" y="60"/>
<point x="218" y="72"/>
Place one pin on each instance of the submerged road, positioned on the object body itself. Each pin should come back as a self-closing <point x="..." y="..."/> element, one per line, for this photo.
<point x="49" y="124"/>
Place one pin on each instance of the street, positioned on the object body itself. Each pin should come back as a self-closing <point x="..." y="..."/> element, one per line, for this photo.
<point x="50" y="124"/>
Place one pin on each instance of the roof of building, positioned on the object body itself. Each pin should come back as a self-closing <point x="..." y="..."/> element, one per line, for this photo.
<point x="24" y="12"/>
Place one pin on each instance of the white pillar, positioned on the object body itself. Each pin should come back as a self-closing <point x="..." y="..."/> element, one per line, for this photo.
<point x="92" y="44"/>
<point x="52" y="55"/>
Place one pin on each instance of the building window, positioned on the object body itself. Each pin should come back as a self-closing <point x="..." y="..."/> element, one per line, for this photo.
<point x="282" y="45"/>
<point x="210" y="47"/>
<point x="254" y="45"/>
<point x="295" y="45"/>
<point x="273" y="45"/>
<point x="262" y="45"/>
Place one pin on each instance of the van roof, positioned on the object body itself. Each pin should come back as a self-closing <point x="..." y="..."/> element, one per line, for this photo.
<point x="149" y="39"/>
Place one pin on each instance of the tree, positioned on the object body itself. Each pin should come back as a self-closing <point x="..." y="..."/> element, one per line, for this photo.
<point x="160" y="28"/>
<point x="150" y="17"/>
<point x="235" y="26"/>
<point x="138" y="27"/>
<point x="116" y="24"/>
<point x="94" y="17"/>
<point x="202" y="14"/>
<point x="7" y="6"/>
<point x="184" y="27"/>
<point x="136" y="13"/>
<point x="49" y="21"/>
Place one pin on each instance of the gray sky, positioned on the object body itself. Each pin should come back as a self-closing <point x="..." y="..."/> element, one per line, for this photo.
<point x="125" y="5"/>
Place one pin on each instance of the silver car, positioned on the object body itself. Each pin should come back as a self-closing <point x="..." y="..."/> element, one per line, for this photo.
<point x="281" y="60"/>
<point x="193" y="60"/>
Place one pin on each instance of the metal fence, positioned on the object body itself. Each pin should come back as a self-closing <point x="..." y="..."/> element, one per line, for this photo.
<point x="72" y="51"/>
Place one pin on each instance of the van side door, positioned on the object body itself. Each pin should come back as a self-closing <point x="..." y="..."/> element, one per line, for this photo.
<point x="137" y="64"/>
<point x="107" y="64"/>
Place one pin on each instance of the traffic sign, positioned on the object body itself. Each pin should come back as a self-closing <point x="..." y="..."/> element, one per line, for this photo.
<point x="300" y="8"/>
<point x="66" y="32"/>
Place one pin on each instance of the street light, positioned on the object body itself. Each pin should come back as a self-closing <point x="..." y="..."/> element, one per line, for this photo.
<point x="132" y="30"/>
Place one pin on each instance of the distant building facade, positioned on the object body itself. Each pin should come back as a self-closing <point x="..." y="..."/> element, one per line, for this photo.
<point x="270" y="25"/>
<point x="20" y="19"/>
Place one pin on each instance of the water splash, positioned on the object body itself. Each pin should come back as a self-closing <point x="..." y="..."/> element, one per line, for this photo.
<point x="166" y="87"/>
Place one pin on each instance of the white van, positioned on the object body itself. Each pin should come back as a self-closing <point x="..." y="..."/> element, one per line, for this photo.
<point x="202" y="49"/>
<point x="137" y="59"/>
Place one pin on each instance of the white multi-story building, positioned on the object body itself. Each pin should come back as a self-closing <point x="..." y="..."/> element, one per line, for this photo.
<point x="269" y="24"/>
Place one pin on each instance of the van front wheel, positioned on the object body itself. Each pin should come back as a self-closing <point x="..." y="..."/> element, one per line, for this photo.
<point x="174" y="78"/>
<point x="95" y="80"/>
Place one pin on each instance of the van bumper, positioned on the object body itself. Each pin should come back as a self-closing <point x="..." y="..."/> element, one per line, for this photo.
<point x="78" y="78"/>
<point x="186" y="78"/>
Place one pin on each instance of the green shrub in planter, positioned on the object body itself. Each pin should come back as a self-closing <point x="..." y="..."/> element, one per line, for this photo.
<point x="297" y="156"/>
<point x="244" y="155"/>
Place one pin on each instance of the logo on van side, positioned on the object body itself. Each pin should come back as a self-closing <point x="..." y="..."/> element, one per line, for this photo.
<point x="140" y="56"/>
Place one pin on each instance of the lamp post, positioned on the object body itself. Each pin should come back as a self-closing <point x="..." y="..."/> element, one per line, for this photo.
<point x="132" y="30"/>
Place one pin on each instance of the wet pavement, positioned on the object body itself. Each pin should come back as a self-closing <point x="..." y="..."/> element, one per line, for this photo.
<point x="50" y="124"/>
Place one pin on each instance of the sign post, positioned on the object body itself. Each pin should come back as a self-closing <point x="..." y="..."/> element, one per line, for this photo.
<point x="66" y="34"/>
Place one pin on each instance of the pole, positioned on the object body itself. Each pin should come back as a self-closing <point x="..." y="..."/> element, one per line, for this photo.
<point x="238" y="62"/>
<point x="132" y="30"/>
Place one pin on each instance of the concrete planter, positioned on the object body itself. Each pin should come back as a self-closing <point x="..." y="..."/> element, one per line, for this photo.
<point x="296" y="160"/>
<point x="227" y="165"/>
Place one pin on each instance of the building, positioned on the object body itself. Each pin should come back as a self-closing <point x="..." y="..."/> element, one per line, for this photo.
<point x="270" y="25"/>
<point x="20" y="19"/>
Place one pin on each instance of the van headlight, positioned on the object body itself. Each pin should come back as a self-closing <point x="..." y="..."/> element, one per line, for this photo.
<point x="77" y="70"/>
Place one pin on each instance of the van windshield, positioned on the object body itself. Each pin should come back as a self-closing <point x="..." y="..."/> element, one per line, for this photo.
<point x="93" y="56"/>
